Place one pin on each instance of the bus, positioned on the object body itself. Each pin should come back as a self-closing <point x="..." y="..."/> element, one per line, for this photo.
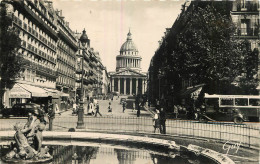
<point x="237" y="108"/>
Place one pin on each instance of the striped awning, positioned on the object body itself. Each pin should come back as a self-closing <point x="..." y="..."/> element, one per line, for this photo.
<point x="18" y="92"/>
<point x="35" y="91"/>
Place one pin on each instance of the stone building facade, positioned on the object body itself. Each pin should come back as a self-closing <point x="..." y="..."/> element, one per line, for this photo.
<point x="245" y="15"/>
<point x="66" y="57"/>
<point x="52" y="54"/>
<point x="128" y="78"/>
<point x="37" y="28"/>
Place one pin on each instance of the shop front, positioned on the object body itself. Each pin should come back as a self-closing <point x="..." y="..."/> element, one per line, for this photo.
<point x="24" y="93"/>
<point x="17" y="95"/>
<point x="189" y="100"/>
<point x="38" y="95"/>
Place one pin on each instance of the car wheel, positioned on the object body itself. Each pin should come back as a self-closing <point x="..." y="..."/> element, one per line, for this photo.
<point x="6" y="116"/>
<point x="238" y="120"/>
<point x="201" y="120"/>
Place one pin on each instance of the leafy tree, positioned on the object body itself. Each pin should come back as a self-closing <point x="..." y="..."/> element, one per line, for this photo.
<point x="10" y="60"/>
<point x="247" y="84"/>
<point x="206" y="51"/>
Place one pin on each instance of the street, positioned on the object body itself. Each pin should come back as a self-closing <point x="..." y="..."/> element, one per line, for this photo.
<point x="117" y="121"/>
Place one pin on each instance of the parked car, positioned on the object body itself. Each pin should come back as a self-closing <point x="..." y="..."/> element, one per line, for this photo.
<point x="130" y="101"/>
<point x="20" y="110"/>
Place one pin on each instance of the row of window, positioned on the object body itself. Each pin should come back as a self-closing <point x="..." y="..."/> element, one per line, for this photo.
<point x="34" y="59"/>
<point x="66" y="81"/>
<point x="32" y="28"/>
<point x="62" y="45"/>
<point x="66" y="59"/>
<point x="129" y="53"/>
<point x="64" y="29"/>
<point x="246" y="5"/>
<point x="24" y="36"/>
<point x="30" y="75"/>
<point x="68" y="71"/>
<point x="38" y="52"/>
<point x="43" y="11"/>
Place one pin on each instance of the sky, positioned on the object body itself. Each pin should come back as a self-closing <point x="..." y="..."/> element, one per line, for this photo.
<point x="107" y="23"/>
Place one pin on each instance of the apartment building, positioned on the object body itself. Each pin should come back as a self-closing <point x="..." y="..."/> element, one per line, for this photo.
<point x="66" y="57"/>
<point x="48" y="47"/>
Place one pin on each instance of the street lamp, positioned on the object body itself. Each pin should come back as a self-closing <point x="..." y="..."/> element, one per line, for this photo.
<point x="160" y="75"/>
<point x="83" y="39"/>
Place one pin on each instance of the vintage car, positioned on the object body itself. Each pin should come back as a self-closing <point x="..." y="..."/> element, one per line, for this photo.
<point x="20" y="110"/>
<point x="130" y="100"/>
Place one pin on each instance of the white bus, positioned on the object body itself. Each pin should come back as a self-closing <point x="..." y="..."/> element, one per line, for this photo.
<point x="237" y="108"/>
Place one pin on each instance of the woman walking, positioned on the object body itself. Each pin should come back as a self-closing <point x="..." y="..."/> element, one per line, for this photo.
<point x="156" y="121"/>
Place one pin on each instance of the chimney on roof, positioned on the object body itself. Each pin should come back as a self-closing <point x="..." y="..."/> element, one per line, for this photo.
<point x="67" y="24"/>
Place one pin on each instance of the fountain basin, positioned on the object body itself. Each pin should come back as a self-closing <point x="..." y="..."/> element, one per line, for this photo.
<point x="169" y="147"/>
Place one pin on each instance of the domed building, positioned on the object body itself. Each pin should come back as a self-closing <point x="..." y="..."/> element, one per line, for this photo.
<point x="128" y="78"/>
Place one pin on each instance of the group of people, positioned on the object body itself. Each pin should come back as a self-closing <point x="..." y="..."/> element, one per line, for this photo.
<point x="91" y="109"/>
<point x="188" y="111"/>
<point x="159" y="120"/>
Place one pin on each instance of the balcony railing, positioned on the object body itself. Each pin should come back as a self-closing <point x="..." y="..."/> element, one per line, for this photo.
<point x="248" y="6"/>
<point x="247" y="32"/>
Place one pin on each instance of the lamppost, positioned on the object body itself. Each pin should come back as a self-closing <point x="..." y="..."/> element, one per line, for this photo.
<point x="160" y="75"/>
<point x="80" y="124"/>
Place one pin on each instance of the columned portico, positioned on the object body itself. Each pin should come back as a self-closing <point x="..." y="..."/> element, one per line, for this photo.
<point x="118" y="85"/>
<point x="124" y="86"/>
<point x="136" y="82"/>
<point x="131" y="86"/>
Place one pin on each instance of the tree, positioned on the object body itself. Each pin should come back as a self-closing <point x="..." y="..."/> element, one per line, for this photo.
<point x="10" y="60"/>
<point x="206" y="51"/>
<point x="247" y="84"/>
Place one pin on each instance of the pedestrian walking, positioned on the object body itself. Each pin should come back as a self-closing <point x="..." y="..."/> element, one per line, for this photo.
<point x="57" y="109"/>
<point x="175" y="111"/>
<point x="138" y="109"/>
<point x="97" y="110"/>
<point x="162" y="121"/>
<point x="156" y="121"/>
<point x="51" y="115"/>
<point x="109" y="109"/>
<point x="157" y="103"/>
<point x="124" y="105"/>
<point x="42" y="114"/>
<point x="92" y="108"/>
<point x="134" y="107"/>
<point x="74" y="106"/>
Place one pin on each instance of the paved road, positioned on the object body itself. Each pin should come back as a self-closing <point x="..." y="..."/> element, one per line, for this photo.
<point x="66" y="119"/>
<point x="117" y="110"/>
<point x="128" y="122"/>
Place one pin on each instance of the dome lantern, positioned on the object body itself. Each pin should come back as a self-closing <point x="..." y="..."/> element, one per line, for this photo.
<point x="129" y="44"/>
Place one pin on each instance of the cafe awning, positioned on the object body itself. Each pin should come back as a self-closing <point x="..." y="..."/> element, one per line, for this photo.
<point x="192" y="92"/>
<point x="35" y="91"/>
<point x="52" y="92"/>
<point x="64" y="94"/>
<point x="18" y="92"/>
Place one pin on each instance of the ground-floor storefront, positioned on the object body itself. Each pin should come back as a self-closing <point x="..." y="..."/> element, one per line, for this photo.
<point x="28" y="93"/>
